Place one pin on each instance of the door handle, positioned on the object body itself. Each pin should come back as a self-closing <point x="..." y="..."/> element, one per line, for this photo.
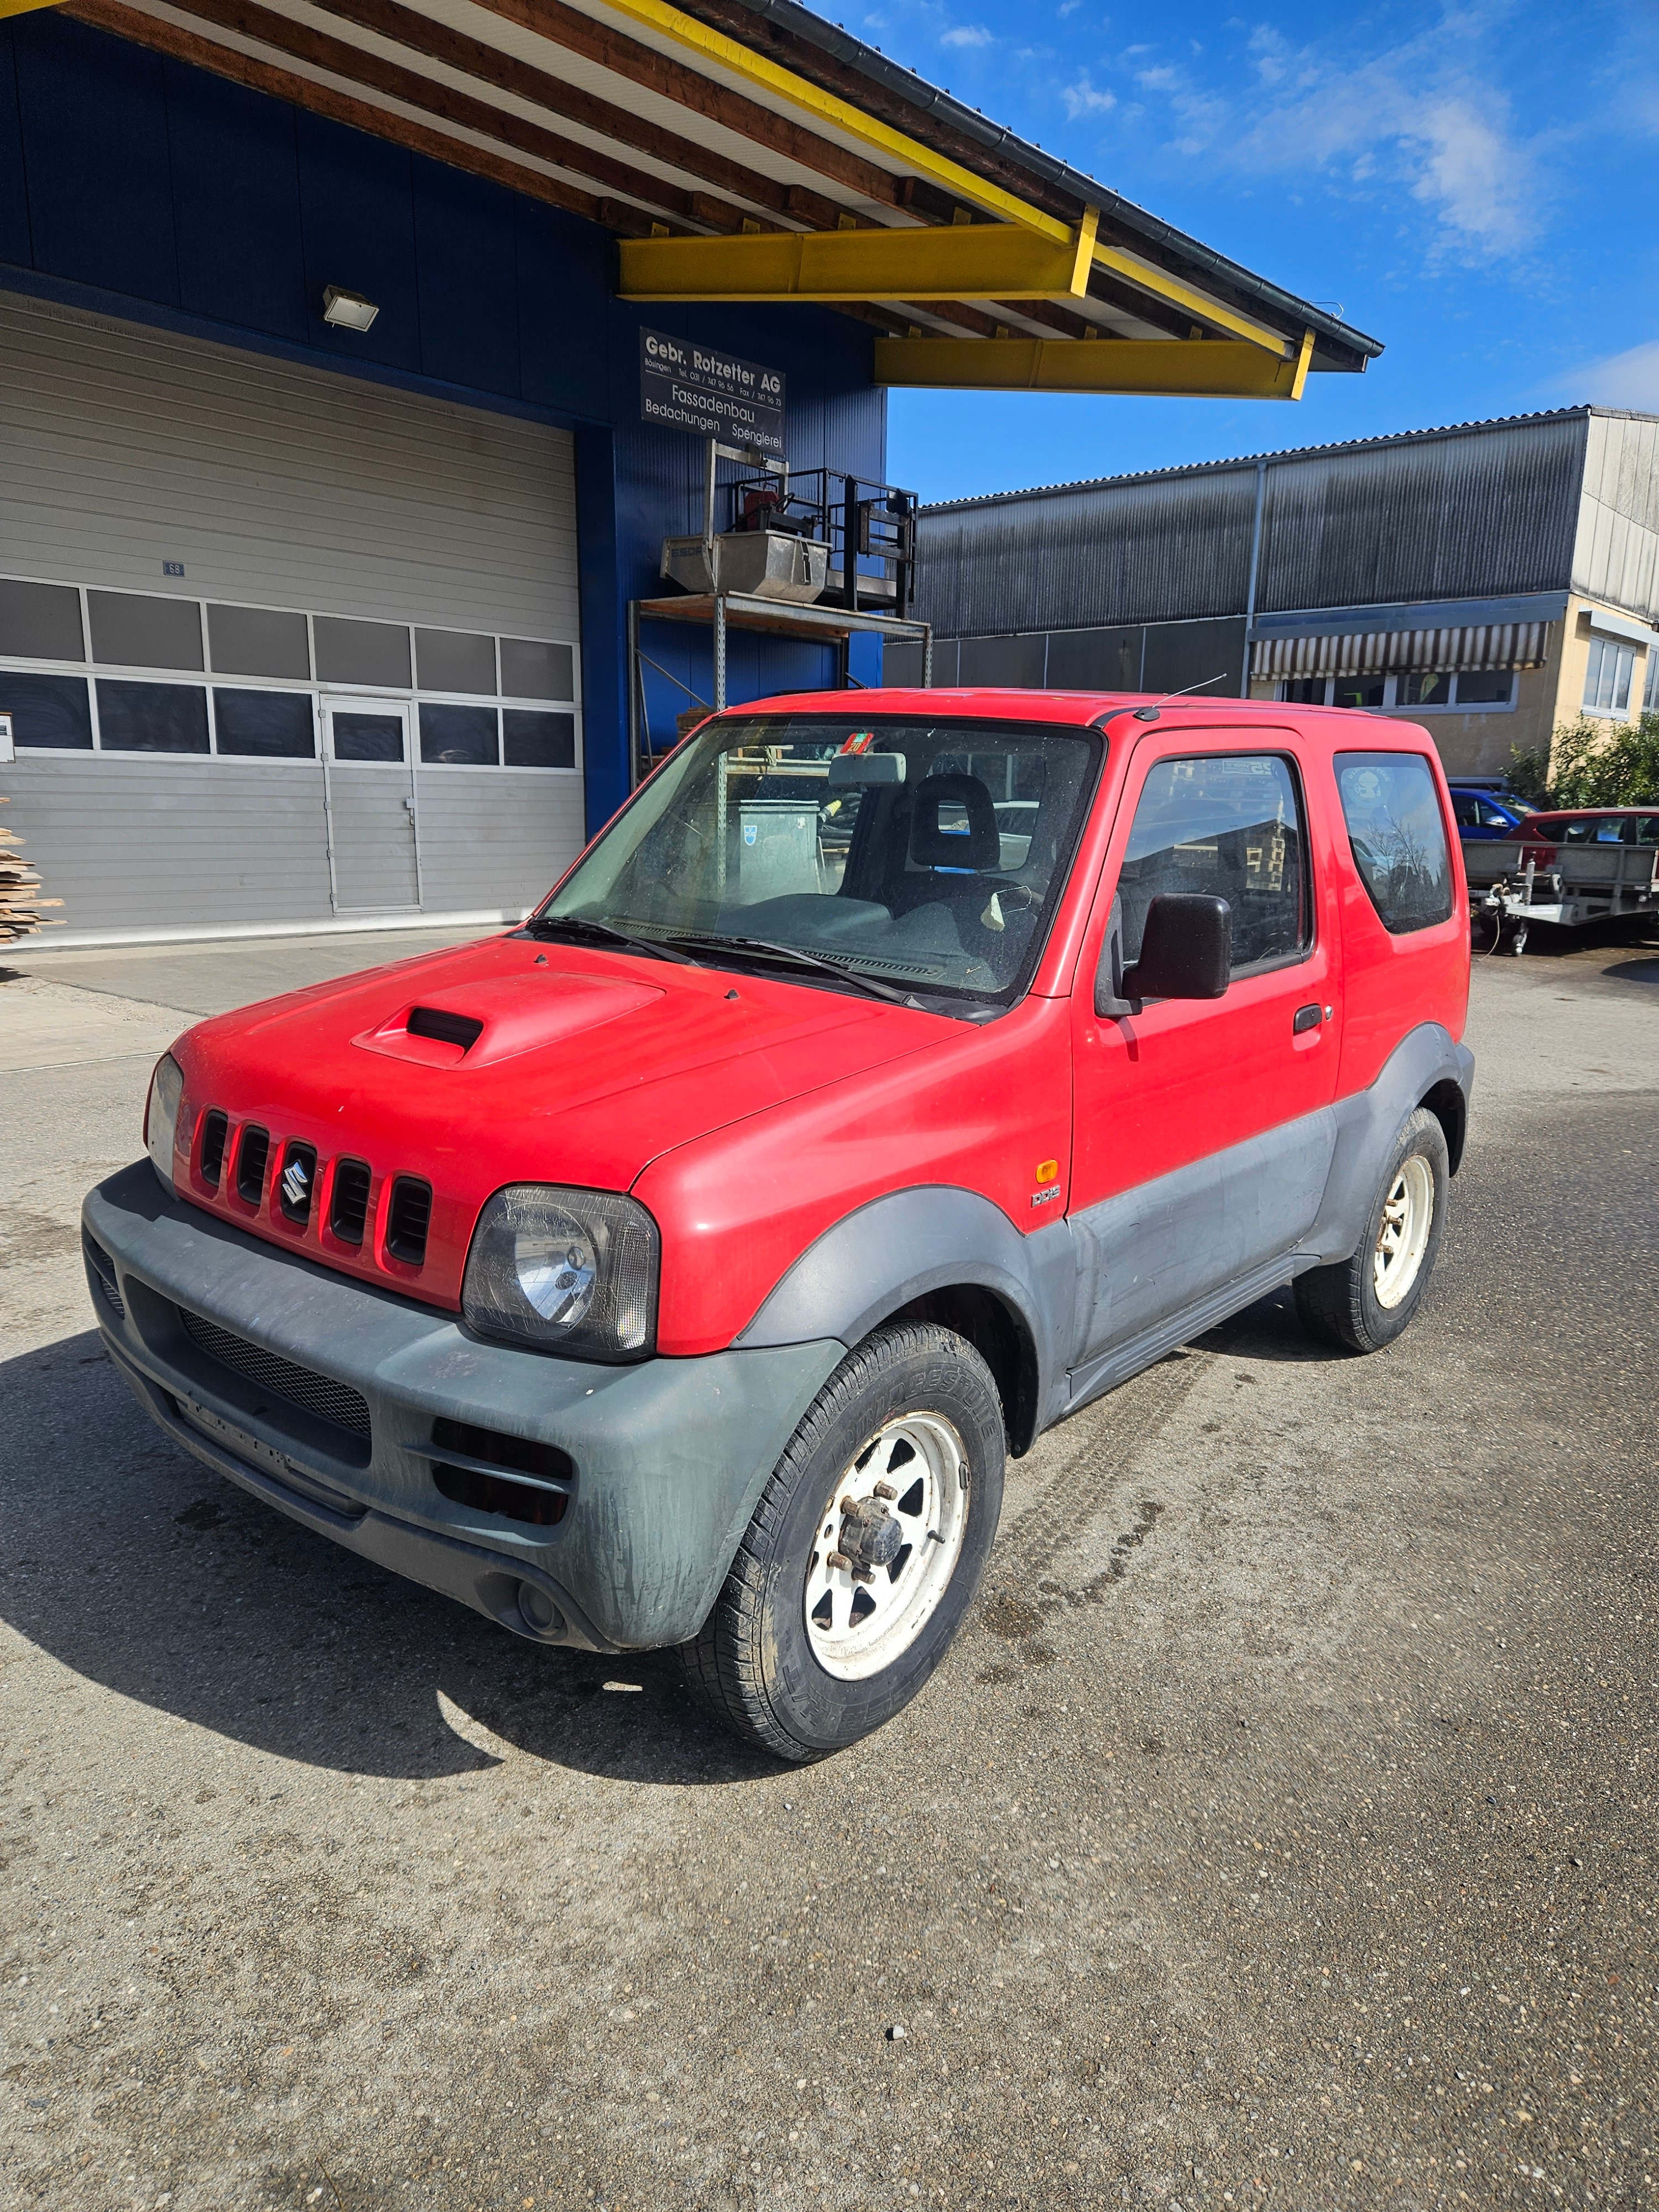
<point x="1307" y="1017"/>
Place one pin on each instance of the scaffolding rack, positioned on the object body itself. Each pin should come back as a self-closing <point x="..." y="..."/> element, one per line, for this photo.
<point x="733" y="610"/>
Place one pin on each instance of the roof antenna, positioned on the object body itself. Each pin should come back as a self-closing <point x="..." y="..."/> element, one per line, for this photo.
<point x="1149" y="713"/>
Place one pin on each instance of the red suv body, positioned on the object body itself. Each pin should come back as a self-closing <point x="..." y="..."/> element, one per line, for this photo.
<point x="878" y="1088"/>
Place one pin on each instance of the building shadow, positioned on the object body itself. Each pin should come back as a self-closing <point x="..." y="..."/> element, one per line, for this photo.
<point x="132" y="1565"/>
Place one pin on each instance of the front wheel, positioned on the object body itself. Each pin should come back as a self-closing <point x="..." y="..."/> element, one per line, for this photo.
<point x="864" y="1552"/>
<point x="1366" y="1302"/>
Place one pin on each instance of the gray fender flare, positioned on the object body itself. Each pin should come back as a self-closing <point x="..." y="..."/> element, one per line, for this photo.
<point x="1367" y="1125"/>
<point x="878" y="1259"/>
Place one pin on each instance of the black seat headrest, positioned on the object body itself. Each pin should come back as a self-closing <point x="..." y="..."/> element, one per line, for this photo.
<point x="978" y="846"/>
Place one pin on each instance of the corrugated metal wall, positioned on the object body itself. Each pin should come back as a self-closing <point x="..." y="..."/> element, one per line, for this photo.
<point x="1617" y="555"/>
<point x="1465" y="515"/>
<point x="1468" y="512"/>
<point x="1153" y="550"/>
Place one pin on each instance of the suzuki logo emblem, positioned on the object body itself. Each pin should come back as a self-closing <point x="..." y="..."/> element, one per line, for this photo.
<point x="295" y="1183"/>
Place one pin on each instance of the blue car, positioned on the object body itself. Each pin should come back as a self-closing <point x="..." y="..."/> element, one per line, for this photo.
<point x="1487" y="812"/>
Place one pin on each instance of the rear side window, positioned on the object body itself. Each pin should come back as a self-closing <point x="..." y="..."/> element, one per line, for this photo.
<point x="1398" y="835"/>
<point x="1229" y="824"/>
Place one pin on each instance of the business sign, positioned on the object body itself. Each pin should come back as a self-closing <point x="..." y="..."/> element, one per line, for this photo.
<point x="685" y="386"/>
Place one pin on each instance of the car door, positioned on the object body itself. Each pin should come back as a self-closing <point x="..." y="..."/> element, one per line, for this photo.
<point x="1203" y="1132"/>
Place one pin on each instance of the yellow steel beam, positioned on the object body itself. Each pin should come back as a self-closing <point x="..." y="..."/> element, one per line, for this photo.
<point x="24" y="7"/>
<point x="1194" y="368"/>
<point x="755" y="69"/>
<point x="969" y="261"/>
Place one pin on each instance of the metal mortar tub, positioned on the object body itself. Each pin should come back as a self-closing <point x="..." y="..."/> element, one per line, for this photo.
<point x="763" y="564"/>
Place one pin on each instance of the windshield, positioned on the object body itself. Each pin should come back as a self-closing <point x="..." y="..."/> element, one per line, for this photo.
<point x="927" y="855"/>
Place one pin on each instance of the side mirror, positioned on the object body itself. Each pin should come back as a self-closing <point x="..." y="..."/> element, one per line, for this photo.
<point x="1186" y="949"/>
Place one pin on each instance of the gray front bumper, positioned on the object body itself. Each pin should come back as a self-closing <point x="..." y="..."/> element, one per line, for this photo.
<point x="671" y="1455"/>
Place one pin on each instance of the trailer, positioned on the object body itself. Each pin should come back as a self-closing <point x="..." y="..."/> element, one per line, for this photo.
<point x="1511" y="887"/>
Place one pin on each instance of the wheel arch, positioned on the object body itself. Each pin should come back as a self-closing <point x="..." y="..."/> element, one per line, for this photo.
<point x="1449" y="1106"/>
<point x="943" y="1255"/>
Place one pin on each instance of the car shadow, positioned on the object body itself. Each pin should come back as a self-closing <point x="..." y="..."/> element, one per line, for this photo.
<point x="133" y="1566"/>
<point x="1270" y="1329"/>
<point x="1634" y="971"/>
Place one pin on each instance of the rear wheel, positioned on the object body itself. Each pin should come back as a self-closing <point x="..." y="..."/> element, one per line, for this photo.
<point x="865" y="1551"/>
<point x="1368" y="1301"/>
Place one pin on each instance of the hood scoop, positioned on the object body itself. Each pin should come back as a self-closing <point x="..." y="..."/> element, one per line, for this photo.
<point x="497" y="1019"/>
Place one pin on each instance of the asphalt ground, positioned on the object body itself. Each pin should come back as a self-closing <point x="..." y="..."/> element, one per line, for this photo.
<point x="1281" y="1833"/>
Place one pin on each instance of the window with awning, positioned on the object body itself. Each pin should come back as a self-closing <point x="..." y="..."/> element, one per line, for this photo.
<point x="1472" y="647"/>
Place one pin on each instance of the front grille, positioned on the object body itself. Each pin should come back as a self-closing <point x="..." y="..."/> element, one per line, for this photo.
<point x="348" y="1210"/>
<point x="318" y="1394"/>
<point x="104" y="1268"/>
<point x="252" y="1156"/>
<point x="215" y="1128"/>
<point x="408" y="1220"/>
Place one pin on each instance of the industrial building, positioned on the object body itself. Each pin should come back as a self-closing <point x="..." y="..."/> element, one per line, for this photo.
<point x="358" y="357"/>
<point x="1493" y="580"/>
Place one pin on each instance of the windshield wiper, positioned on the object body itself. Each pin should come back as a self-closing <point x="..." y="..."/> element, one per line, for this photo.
<point x="601" y="933"/>
<point x="792" y="955"/>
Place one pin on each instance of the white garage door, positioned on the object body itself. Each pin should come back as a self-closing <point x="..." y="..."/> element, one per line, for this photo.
<point x="279" y="646"/>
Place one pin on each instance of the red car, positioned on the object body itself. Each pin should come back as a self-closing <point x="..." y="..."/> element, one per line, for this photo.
<point x="1542" y="835"/>
<point x="878" y="1088"/>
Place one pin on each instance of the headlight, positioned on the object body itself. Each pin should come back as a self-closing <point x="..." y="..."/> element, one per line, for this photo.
<point x="564" y="1270"/>
<point x="166" y="1087"/>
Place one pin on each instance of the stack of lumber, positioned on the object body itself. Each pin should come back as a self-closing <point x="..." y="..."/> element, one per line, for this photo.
<point x="20" y="890"/>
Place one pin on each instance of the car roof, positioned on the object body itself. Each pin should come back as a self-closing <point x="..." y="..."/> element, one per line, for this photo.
<point x="942" y="702"/>
<point x="1595" y="813"/>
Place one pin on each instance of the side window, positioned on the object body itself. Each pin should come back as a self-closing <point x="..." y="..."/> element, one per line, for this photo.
<point x="1399" y="838"/>
<point x="1230" y="824"/>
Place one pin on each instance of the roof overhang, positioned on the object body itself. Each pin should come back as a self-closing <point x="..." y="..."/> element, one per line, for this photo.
<point x="745" y="151"/>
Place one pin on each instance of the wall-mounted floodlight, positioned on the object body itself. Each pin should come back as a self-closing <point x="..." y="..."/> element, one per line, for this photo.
<point x="349" y="311"/>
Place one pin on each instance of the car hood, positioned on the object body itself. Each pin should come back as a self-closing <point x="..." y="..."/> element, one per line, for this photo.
<point x="511" y="1061"/>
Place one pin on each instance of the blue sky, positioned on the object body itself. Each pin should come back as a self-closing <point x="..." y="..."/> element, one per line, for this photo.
<point x="1478" y="186"/>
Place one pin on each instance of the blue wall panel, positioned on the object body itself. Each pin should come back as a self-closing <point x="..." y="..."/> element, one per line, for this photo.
<point x="236" y="187"/>
<point x="468" y="279"/>
<point x="96" y="141"/>
<point x="164" y="189"/>
<point x="356" y="203"/>
<point x="564" y="267"/>
<point x="14" y="194"/>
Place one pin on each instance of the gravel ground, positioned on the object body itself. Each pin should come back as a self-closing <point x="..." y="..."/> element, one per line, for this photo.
<point x="1280" y="1833"/>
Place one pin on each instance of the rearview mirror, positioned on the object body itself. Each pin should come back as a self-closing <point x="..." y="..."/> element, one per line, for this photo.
<point x="1186" y="949"/>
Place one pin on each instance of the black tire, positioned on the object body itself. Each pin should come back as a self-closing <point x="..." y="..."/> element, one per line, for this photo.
<point x="753" y="1665"/>
<point x="1341" y="1303"/>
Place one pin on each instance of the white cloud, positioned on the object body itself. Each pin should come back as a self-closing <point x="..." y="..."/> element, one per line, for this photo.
<point x="1622" y="379"/>
<point x="1082" y="99"/>
<point x="1069" y="8"/>
<point x="967" y="34"/>
<point x="1424" y="117"/>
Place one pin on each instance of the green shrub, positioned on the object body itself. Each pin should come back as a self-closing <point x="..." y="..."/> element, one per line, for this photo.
<point x="1587" y="768"/>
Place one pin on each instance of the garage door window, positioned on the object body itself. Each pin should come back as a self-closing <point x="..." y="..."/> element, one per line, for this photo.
<point x="500" y="702"/>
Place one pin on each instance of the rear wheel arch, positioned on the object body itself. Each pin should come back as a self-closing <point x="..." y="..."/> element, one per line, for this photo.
<point x="1446" y="1102"/>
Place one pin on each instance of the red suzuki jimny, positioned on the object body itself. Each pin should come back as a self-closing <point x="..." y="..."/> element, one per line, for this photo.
<point x="877" y="1088"/>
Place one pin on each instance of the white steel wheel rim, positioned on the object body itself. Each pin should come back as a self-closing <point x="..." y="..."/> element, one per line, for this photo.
<point x="1403" y="1237"/>
<point x="858" y="1625"/>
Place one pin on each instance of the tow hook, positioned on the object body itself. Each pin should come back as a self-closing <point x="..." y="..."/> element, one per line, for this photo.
<point x="870" y="1537"/>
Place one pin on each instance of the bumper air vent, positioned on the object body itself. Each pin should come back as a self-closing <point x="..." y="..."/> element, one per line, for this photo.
<point x="215" y="1129"/>
<point x="408" y="1219"/>
<point x="103" y="1269"/>
<point x="296" y="1183"/>
<point x="446" y="1027"/>
<point x="537" y="1491"/>
<point x="318" y="1394"/>
<point x="348" y="1212"/>
<point x="252" y="1156"/>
